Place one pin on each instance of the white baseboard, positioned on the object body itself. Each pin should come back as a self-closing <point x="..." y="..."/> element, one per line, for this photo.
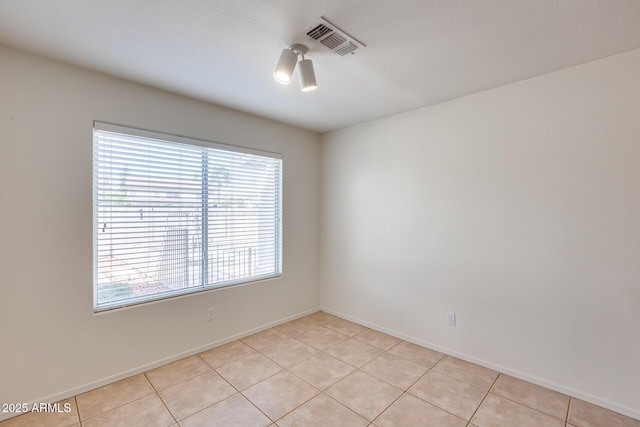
<point x="146" y="367"/>
<point x="630" y="412"/>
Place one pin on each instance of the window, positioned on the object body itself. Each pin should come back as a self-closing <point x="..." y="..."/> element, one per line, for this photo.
<point x="174" y="215"/>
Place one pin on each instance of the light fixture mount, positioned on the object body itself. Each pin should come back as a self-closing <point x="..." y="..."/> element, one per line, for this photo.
<point x="300" y="49"/>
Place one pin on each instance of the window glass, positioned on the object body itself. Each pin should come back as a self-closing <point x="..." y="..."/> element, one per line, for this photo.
<point x="174" y="215"/>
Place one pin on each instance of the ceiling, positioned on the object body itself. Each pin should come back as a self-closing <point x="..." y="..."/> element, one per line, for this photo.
<point x="418" y="53"/>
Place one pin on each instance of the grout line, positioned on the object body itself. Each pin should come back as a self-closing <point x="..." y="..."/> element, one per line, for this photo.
<point x="204" y="409"/>
<point x="284" y="369"/>
<point x="77" y="410"/>
<point x="388" y="406"/>
<point x="433" y="404"/>
<point x="403" y="357"/>
<point x="442" y="409"/>
<point x="396" y="344"/>
<point x="382" y="379"/>
<point x="342" y="404"/>
<point x="300" y="405"/>
<point x="464" y="381"/>
<point x="345" y="406"/>
<point x="160" y="397"/>
<point x="205" y="362"/>
<point x="256" y="406"/>
<point x="484" y="398"/>
<point x="419" y="378"/>
<point x="359" y="370"/>
<point x="527" y="405"/>
<point x="118" y="407"/>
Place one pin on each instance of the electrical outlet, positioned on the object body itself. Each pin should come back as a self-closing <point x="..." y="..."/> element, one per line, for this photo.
<point x="210" y="313"/>
<point x="451" y="319"/>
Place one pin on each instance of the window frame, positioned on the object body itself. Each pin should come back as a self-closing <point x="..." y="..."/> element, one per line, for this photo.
<point x="99" y="126"/>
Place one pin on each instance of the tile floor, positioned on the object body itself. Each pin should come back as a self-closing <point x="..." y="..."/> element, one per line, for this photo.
<point x="321" y="370"/>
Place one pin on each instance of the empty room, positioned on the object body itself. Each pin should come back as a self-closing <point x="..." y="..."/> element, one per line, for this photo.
<point x="331" y="213"/>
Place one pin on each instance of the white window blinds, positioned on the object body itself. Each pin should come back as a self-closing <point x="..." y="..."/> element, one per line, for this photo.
<point x="174" y="215"/>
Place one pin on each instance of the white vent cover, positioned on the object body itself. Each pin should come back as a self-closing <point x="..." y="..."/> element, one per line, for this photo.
<point x="333" y="37"/>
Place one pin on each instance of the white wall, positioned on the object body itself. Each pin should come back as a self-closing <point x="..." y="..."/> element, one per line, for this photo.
<point x="51" y="343"/>
<point x="517" y="208"/>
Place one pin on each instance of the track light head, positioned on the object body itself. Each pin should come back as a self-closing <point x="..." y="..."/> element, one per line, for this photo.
<point x="307" y="76"/>
<point x="286" y="64"/>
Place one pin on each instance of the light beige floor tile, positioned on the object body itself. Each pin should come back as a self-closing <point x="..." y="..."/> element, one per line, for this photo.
<point x="289" y="352"/>
<point x="584" y="414"/>
<point x="264" y="339"/>
<point x="542" y="399"/>
<point x="417" y="354"/>
<point x="321" y="338"/>
<point x="346" y="327"/>
<point x="320" y="317"/>
<point x="304" y="321"/>
<point x="248" y="370"/>
<point x="466" y="371"/>
<point x="198" y="395"/>
<point x="366" y="395"/>
<point x="395" y="370"/>
<point x="234" y="411"/>
<point x="353" y="352"/>
<point x="113" y="395"/>
<point x="190" y="396"/>
<point x="54" y="416"/>
<point x="227" y="353"/>
<point x="457" y="397"/>
<point x="296" y="327"/>
<point x="411" y="411"/>
<point x="148" y="411"/>
<point x="177" y="371"/>
<point x="322" y="370"/>
<point x="280" y="394"/>
<point x="497" y="411"/>
<point x="377" y="339"/>
<point x="322" y="411"/>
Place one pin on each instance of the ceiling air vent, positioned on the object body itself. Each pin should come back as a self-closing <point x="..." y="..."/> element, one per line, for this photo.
<point x="333" y="37"/>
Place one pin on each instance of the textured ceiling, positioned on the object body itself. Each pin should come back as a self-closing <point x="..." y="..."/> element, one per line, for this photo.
<point x="419" y="52"/>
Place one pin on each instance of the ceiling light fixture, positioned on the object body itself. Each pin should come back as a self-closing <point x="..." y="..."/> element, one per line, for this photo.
<point x="287" y="63"/>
